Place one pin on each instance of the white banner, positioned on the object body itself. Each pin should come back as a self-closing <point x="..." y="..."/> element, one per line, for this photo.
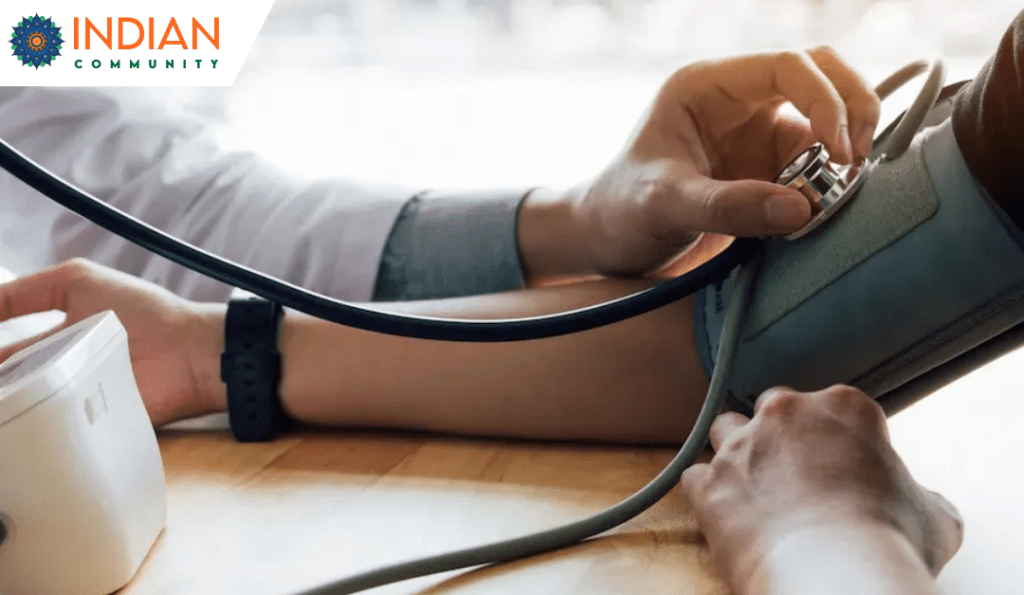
<point x="127" y="43"/>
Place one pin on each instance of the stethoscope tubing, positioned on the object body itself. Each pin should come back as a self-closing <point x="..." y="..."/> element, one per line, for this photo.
<point x="358" y="316"/>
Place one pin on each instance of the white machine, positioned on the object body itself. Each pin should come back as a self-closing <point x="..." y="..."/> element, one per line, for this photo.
<point x="82" y="490"/>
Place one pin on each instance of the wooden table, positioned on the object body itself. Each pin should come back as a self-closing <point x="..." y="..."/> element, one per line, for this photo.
<point x="316" y="506"/>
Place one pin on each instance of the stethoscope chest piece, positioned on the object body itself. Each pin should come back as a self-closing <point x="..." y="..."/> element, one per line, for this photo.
<point x="826" y="186"/>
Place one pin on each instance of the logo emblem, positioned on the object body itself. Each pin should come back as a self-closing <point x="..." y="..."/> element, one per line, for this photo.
<point x="36" y="41"/>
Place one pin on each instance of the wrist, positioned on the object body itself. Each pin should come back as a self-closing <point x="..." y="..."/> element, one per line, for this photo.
<point x="862" y="557"/>
<point x="550" y="238"/>
<point x="206" y="340"/>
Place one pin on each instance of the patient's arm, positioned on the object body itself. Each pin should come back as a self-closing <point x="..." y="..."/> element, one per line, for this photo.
<point x="637" y="380"/>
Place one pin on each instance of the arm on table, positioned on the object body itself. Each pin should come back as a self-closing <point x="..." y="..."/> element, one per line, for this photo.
<point x="637" y="380"/>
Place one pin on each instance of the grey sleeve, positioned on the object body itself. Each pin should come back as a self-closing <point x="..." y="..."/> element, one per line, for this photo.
<point x="447" y="245"/>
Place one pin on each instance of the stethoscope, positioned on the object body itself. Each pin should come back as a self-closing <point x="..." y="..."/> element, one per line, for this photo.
<point x="826" y="186"/>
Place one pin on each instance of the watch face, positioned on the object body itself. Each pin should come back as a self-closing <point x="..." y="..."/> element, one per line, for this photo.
<point x="12" y="372"/>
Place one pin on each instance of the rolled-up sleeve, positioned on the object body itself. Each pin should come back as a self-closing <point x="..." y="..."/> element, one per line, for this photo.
<point x="451" y="244"/>
<point x="351" y="241"/>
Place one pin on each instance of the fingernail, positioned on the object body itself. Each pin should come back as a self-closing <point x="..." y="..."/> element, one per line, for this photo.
<point x="787" y="211"/>
<point x="844" y="144"/>
<point x="865" y="137"/>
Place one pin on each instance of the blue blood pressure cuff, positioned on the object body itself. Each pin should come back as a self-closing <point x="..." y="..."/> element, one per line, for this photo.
<point x="918" y="268"/>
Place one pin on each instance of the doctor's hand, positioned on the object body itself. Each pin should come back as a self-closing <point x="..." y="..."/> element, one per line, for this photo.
<point x="701" y="160"/>
<point x="161" y="333"/>
<point x="809" y="496"/>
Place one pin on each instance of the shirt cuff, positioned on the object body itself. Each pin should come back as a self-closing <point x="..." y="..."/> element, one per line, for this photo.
<point x="448" y="245"/>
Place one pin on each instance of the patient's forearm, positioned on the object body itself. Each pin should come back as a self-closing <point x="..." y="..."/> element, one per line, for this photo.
<point x="638" y="380"/>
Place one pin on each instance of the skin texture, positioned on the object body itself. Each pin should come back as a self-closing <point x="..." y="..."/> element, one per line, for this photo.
<point x="809" y="496"/>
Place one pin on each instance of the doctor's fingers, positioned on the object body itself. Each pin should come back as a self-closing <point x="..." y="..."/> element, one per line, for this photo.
<point x="726" y="427"/>
<point x="736" y="207"/>
<point x="695" y="482"/>
<point x="789" y="76"/>
<point x="863" y="106"/>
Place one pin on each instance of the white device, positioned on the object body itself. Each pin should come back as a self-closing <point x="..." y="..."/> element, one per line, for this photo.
<point x="82" y="490"/>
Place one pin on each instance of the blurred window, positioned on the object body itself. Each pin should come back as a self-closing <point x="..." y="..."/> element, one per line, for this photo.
<point x="491" y="92"/>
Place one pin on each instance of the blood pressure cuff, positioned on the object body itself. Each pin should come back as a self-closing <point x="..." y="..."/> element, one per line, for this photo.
<point x="920" y="267"/>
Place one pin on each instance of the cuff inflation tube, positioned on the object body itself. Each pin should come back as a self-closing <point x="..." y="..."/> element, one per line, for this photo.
<point x="740" y="252"/>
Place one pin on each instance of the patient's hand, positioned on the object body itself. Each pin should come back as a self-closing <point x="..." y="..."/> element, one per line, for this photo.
<point x="814" y="468"/>
<point x="160" y="327"/>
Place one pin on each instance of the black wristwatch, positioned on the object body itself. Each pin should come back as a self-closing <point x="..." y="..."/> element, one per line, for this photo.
<point x="251" y="367"/>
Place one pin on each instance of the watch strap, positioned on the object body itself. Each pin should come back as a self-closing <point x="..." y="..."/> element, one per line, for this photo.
<point x="251" y="369"/>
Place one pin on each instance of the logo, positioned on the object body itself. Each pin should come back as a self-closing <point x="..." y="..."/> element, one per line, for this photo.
<point x="36" y="41"/>
<point x="127" y="43"/>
